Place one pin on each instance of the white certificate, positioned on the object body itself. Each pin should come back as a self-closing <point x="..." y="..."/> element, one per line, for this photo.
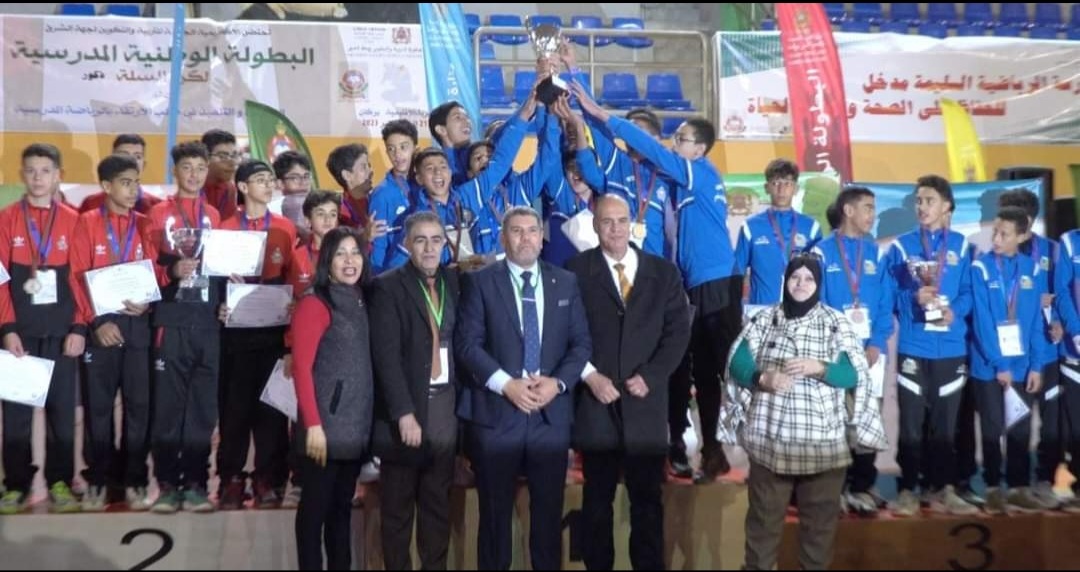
<point x="1015" y="408"/>
<point x="258" y="305"/>
<point x="280" y="393"/>
<point x="4" y="276"/>
<point x="25" y="380"/>
<point x="877" y="377"/>
<point x="111" y="286"/>
<point x="229" y="252"/>
<point x="579" y="229"/>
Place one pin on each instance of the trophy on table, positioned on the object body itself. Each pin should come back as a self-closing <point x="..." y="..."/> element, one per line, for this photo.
<point x="927" y="274"/>
<point x="188" y="243"/>
<point x="546" y="40"/>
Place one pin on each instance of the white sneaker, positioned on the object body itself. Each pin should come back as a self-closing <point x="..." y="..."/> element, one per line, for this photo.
<point x="1045" y="495"/>
<point x="94" y="499"/>
<point x="292" y="497"/>
<point x="907" y="504"/>
<point x="946" y="501"/>
<point x="138" y="499"/>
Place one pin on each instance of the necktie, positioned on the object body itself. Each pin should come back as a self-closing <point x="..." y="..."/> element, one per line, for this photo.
<point x="531" y="324"/>
<point x="436" y="363"/>
<point x="624" y="283"/>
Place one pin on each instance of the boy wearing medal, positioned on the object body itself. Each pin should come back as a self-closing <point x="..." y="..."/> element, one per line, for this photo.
<point x="351" y="167"/>
<point x="929" y="272"/>
<point x="768" y="240"/>
<point x="118" y="355"/>
<point x="134" y="146"/>
<point x="250" y="355"/>
<point x="1006" y="358"/>
<point x="854" y="284"/>
<point x="37" y="311"/>
<point x="390" y="201"/>
<point x="187" y="340"/>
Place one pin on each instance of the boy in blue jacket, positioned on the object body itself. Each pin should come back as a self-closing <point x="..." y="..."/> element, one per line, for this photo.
<point x="1066" y="303"/>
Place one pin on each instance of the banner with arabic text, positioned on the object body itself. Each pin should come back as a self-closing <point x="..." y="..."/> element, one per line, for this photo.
<point x="1016" y="90"/>
<point x="109" y="75"/>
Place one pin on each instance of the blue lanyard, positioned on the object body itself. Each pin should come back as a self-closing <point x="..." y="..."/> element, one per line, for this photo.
<point x="201" y="203"/>
<point x="245" y="222"/>
<point x="129" y="241"/>
<point x="41" y="250"/>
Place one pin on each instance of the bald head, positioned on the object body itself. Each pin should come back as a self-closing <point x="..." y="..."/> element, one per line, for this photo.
<point x="611" y="221"/>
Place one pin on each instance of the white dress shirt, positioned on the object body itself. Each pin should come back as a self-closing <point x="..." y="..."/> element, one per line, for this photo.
<point x="498" y="380"/>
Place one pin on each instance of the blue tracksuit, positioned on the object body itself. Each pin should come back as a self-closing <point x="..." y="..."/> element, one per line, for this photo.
<point x="1067" y="301"/>
<point x="390" y="201"/>
<point x="874" y="287"/>
<point x="997" y="281"/>
<point x="955" y="283"/>
<point x="765" y="244"/>
<point x="704" y="249"/>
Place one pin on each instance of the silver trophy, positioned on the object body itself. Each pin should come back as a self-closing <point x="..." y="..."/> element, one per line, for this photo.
<point x="546" y="40"/>
<point x="926" y="273"/>
<point x="188" y="243"/>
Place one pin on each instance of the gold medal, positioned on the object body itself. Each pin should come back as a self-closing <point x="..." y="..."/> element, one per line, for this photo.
<point x="32" y="287"/>
<point x="638" y="230"/>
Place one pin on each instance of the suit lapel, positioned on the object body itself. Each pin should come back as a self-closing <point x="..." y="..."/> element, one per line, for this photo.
<point x="506" y="291"/>
<point x="600" y="272"/>
<point x="646" y="272"/>
<point x="411" y="281"/>
<point x="551" y="301"/>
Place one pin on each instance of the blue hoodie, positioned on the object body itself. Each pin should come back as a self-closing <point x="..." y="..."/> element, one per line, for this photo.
<point x="765" y="250"/>
<point x="994" y="280"/>
<point x="875" y="289"/>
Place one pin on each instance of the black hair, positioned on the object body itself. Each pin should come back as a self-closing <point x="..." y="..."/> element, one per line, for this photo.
<point x="316" y="199"/>
<point x="342" y="159"/>
<point x="401" y="127"/>
<point x="327" y="251"/>
<point x="438" y="117"/>
<point x="1022" y="198"/>
<point x="1017" y="216"/>
<point x="648" y="117"/>
<point x="850" y="195"/>
<point x="779" y="168"/>
<point x="46" y="150"/>
<point x="128" y="139"/>
<point x="189" y="149"/>
<point x="110" y="167"/>
<point x="424" y="154"/>
<point x="939" y="184"/>
<point x="216" y="137"/>
<point x="287" y="160"/>
<point x="704" y="132"/>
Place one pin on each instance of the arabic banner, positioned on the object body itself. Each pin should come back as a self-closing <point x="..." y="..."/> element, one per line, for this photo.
<point x="1016" y="90"/>
<point x="816" y="89"/>
<point x="80" y="75"/>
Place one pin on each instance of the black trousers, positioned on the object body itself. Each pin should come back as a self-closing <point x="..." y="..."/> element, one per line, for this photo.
<point x="929" y="392"/>
<point x="323" y="519"/>
<point x="991" y="403"/>
<point x="244" y="417"/>
<point x="1070" y="387"/>
<point x="1051" y="451"/>
<point x="185" y="404"/>
<point x="863" y="473"/>
<point x="717" y="322"/>
<point x="644" y="479"/>
<point x="108" y="370"/>
<point x="421" y="490"/>
<point x="59" y="423"/>
<point x="966" y="466"/>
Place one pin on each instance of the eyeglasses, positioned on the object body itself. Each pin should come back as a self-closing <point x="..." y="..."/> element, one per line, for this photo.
<point x="297" y="178"/>
<point x="263" y="181"/>
<point x="679" y="140"/>
<point x="224" y="156"/>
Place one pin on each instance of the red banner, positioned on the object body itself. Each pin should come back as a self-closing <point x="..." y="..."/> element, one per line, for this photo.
<point x="815" y="89"/>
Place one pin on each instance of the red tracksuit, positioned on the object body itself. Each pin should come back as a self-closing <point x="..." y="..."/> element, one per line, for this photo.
<point x="145" y="202"/>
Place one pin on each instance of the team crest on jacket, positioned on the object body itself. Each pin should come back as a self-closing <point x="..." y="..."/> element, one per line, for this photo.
<point x="909" y="367"/>
<point x="62" y="244"/>
<point x="800" y="240"/>
<point x="1044" y="263"/>
<point x="869" y="267"/>
<point x="277" y="257"/>
<point x="1026" y="283"/>
<point x="952" y="258"/>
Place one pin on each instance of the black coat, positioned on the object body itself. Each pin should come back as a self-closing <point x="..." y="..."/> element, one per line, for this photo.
<point x="401" y="348"/>
<point x="648" y="337"/>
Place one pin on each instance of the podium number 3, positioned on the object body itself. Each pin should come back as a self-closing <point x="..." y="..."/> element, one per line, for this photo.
<point x="166" y="545"/>
<point x="979" y="546"/>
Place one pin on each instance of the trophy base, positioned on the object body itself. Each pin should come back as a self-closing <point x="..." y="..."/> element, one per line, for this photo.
<point x="551" y="89"/>
<point x="194" y="290"/>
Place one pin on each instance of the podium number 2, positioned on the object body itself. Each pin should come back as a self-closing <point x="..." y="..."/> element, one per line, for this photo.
<point x="166" y="545"/>
<point x="979" y="546"/>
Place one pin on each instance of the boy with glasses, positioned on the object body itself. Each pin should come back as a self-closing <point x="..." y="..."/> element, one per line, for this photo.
<point x="224" y="157"/>
<point x="293" y="172"/>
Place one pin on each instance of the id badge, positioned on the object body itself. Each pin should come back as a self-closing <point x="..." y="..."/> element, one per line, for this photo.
<point x="1009" y="339"/>
<point x="860" y="321"/>
<point x="47" y="293"/>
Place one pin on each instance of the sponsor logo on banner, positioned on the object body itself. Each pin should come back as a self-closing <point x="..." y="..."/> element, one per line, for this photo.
<point x="353" y="85"/>
<point x="402" y="35"/>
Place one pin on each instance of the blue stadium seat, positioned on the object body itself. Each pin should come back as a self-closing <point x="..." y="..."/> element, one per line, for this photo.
<point x="1074" y="18"/>
<point x="670" y="126"/>
<point x="835" y="11"/>
<point x="664" y="90"/>
<point x="971" y="30"/>
<point x="507" y="21"/>
<point x="523" y="84"/>
<point x="130" y="10"/>
<point x="896" y="26"/>
<point x="942" y="13"/>
<point x="861" y="26"/>
<point x="487" y="50"/>
<point x="1073" y="33"/>
<point x="537" y="19"/>
<point x="1048" y="14"/>
<point x="934" y="30"/>
<point x="978" y="13"/>
<point x="77" y="10"/>
<point x="869" y="12"/>
<point x="631" y="24"/>
<point x="1043" y="33"/>
<point x="768" y="25"/>
<point x="492" y="87"/>
<point x="587" y="78"/>
<point x="906" y="12"/>
<point x="1007" y="31"/>
<point x="1014" y="14"/>
<point x="472" y="22"/>
<point x="620" y="91"/>
<point x="588" y="23"/>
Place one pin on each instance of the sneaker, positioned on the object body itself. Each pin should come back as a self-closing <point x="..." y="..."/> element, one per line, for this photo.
<point x="946" y="501"/>
<point x="61" y="499"/>
<point x="292" y="497"/>
<point x="680" y="464"/>
<point x="862" y="504"/>
<point x="1071" y="506"/>
<point x="970" y="496"/>
<point x="231" y="496"/>
<point x="369" y="473"/>
<point x="714" y="463"/>
<point x="13" y="502"/>
<point x="94" y="500"/>
<point x="907" y="504"/>
<point x="197" y="500"/>
<point x="1021" y="499"/>
<point x="266" y="497"/>
<point x="996" y="502"/>
<point x="1044" y="493"/>
<point x="168" y="501"/>
<point x="137" y="499"/>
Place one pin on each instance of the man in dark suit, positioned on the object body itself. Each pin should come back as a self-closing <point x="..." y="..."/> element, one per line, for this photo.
<point x="413" y="310"/>
<point x="522" y="335"/>
<point x="640" y="325"/>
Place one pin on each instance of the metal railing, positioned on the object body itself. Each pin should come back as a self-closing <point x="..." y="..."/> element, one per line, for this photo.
<point x="705" y="105"/>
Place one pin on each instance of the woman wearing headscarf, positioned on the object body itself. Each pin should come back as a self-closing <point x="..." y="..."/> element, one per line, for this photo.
<point x="799" y="398"/>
